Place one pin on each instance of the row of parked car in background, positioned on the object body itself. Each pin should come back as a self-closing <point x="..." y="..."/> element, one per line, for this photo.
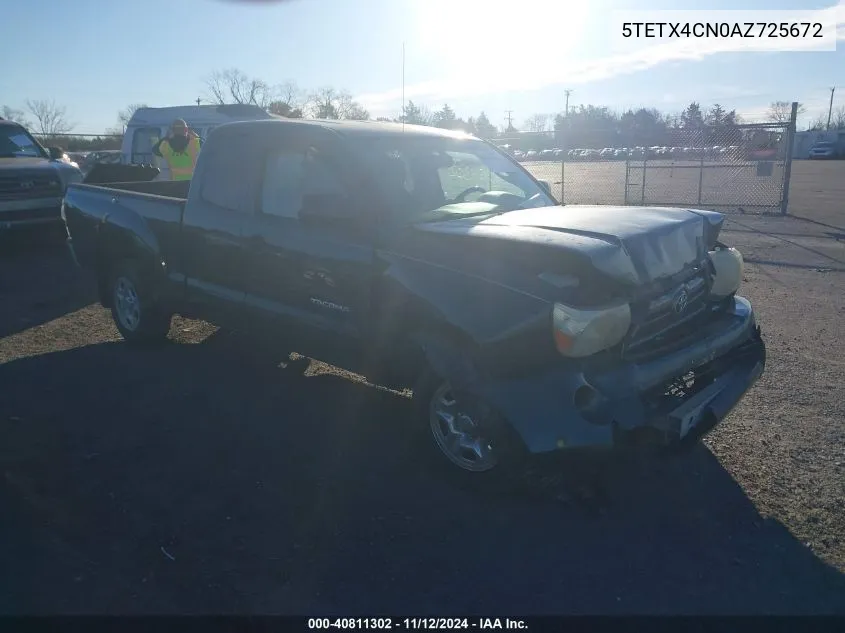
<point x="86" y="160"/>
<point x="765" y="151"/>
<point x="628" y="153"/>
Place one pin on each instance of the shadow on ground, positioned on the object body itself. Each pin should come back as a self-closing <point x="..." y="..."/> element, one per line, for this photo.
<point x="193" y="479"/>
<point x="38" y="281"/>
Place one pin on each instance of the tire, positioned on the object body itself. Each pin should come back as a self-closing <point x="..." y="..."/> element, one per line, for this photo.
<point x="506" y="465"/>
<point x="139" y="317"/>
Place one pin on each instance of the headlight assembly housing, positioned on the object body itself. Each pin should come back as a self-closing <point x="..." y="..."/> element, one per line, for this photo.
<point x="584" y="332"/>
<point x="728" y="267"/>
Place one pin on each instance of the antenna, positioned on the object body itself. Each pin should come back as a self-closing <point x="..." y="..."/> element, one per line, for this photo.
<point x="403" y="87"/>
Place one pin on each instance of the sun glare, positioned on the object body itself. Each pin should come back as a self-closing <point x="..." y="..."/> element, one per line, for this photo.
<point x="484" y="41"/>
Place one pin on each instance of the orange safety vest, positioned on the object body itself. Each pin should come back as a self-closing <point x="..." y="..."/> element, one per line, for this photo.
<point x="181" y="164"/>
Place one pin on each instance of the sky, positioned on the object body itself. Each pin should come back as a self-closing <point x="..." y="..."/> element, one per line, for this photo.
<point x="96" y="56"/>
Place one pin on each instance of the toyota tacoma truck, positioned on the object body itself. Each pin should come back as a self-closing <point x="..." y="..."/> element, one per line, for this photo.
<point x="32" y="180"/>
<point x="431" y="259"/>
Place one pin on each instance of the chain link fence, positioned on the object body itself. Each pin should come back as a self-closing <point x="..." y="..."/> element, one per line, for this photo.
<point x="81" y="142"/>
<point x="737" y="168"/>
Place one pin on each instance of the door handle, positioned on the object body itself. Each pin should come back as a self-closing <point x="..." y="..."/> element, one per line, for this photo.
<point x="114" y="199"/>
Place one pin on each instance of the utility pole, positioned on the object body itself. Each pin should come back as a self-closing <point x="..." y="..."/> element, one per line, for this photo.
<point x="567" y="93"/>
<point x="509" y="118"/>
<point x="198" y="100"/>
<point x="404" y="111"/>
<point x="787" y="166"/>
<point x="830" y="108"/>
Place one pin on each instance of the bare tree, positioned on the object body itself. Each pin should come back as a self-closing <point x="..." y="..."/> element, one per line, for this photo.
<point x="321" y="103"/>
<point x="417" y="115"/>
<point x="349" y="109"/>
<point x="289" y="93"/>
<point x="281" y="108"/>
<point x="126" y="114"/>
<point x="50" y="119"/>
<point x="329" y="103"/>
<point x="287" y="101"/>
<point x="537" y="122"/>
<point x="235" y="86"/>
<point x="819" y="123"/>
<point x="837" y="121"/>
<point x="781" y="111"/>
<point x="13" y="114"/>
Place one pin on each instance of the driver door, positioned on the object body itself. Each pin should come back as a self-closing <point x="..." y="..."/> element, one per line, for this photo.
<point x="308" y="278"/>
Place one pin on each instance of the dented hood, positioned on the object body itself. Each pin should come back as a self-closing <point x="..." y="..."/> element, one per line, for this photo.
<point x="633" y="245"/>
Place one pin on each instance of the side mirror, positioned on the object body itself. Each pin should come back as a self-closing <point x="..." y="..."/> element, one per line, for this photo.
<point x="56" y="153"/>
<point x="547" y="187"/>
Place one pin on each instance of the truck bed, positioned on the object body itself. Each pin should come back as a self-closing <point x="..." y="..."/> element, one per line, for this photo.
<point x="164" y="188"/>
<point x="122" y="215"/>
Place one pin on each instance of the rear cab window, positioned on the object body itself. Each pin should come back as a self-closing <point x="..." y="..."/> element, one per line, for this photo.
<point x="229" y="176"/>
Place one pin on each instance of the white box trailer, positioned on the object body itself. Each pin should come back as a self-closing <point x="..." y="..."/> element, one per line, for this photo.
<point x="148" y="125"/>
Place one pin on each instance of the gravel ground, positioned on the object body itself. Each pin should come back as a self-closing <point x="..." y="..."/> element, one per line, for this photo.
<point x="204" y="477"/>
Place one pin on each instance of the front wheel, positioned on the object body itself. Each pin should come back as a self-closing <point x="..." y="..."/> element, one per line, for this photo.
<point x="138" y="316"/>
<point x="467" y="437"/>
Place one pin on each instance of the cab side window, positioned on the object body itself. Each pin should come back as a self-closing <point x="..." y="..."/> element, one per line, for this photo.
<point x="229" y="174"/>
<point x="290" y="175"/>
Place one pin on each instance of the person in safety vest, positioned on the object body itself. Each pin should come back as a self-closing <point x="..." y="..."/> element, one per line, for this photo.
<point x="180" y="149"/>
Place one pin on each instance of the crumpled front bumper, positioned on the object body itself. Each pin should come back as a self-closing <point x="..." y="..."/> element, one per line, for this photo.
<point x="625" y="403"/>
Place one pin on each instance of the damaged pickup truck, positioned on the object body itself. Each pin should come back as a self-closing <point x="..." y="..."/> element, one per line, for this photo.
<point x="425" y="258"/>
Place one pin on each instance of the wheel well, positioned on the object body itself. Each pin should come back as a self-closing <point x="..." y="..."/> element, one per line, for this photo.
<point x="105" y="266"/>
<point x="107" y="263"/>
<point x="447" y="351"/>
<point x="103" y="293"/>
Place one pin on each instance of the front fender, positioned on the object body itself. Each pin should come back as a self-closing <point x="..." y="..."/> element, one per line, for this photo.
<point x="482" y="310"/>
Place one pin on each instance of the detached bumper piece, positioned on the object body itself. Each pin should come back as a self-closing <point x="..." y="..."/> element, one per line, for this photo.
<point x="682" y="411"/>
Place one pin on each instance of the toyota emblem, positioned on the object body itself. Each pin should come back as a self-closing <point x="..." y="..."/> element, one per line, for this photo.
<point x="680" y="303"/>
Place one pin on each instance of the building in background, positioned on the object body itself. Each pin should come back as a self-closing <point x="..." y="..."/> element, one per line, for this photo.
<point x="804" y="141"/>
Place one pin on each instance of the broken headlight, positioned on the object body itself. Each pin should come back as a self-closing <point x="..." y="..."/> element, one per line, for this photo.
<point x="584" y="332"/>
<point x="727" y="266"/>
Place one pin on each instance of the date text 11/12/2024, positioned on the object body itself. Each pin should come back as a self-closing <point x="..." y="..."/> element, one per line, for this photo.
<point x="417" y="623"/>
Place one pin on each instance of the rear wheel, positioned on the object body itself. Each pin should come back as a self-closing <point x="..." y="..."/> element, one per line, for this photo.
<point x="139" y="317"/>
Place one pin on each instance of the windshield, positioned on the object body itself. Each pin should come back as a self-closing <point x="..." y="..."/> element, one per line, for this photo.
<point x="424" y="179"/>
<point x="16" y="143"/>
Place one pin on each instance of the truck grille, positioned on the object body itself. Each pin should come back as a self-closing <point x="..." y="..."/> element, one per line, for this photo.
<point x="663" y="320"/>
<point x="22" y="186"/>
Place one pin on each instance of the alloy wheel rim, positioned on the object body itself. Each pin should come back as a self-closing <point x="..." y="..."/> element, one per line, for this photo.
<point x="127" y="304"/>
<point x="458" y="434"/>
